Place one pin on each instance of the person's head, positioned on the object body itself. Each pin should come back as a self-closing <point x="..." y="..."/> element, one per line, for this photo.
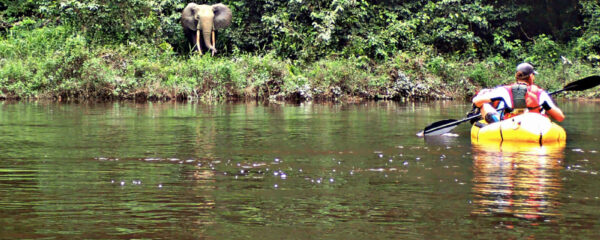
<point x="525" y="73"/>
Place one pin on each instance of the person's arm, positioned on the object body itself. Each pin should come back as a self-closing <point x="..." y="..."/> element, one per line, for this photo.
<point x="551" y="109"/>
<point x="479" y="100"/>
<point x="497" y="94"/>
<point x="556" y="113"/>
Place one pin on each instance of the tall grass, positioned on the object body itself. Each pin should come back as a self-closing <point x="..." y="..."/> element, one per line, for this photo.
<point x="53" y="62"/>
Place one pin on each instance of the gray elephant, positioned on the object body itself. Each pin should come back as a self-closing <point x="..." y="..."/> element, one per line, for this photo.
<point x="207" y="18"/>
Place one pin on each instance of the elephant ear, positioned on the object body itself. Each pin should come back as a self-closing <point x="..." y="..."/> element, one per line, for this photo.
<point x="187" y="16"/>
<point x="222" y="16"/>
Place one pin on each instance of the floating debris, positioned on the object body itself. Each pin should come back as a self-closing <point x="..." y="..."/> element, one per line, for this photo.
<point x="450" y="135"/>
<point x="376" y="169"/>
<point x="258" y="164"/>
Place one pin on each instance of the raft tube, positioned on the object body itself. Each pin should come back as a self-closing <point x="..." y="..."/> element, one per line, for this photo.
<point x="527" y="127"/>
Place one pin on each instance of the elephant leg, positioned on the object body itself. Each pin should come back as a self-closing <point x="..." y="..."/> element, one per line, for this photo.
<point x="191" y="37"/>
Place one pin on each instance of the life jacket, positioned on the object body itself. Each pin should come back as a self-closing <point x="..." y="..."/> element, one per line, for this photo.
<point x="523" y="98"/>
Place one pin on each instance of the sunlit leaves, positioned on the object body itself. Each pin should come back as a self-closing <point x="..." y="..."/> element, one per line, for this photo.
<point x="310" y="30"/>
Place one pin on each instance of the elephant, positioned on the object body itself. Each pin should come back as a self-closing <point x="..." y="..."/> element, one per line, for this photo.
<point x="207" y="18"/>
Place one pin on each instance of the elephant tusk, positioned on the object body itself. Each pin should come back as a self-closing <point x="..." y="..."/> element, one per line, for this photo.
<point x="214" y="43"/>
<point x="198" y="41"/>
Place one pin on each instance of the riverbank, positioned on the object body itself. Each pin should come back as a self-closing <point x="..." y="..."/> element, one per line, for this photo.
<point x="53" y="63"/>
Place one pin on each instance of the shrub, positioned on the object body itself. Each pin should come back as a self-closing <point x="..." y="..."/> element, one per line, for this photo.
<point x="544" y="51"/>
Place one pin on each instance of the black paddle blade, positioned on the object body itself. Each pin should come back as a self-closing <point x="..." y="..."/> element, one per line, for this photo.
<point x="583" y="84"/>
<point x="439" y="127"/>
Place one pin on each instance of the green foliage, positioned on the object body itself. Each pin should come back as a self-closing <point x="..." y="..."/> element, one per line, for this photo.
<point x="286" y="49"/>
<point x="310" y="30"/>
<point x="588" y="45"/>
<point x="13" y="11"/>
<point x="109" y="21"/>
<point x="334" y="78"/>
<point x="481" y="75"/>
<point x="544" y="50"/>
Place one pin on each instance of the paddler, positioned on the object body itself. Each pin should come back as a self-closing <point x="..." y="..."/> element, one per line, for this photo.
<point x="517" y="98"/>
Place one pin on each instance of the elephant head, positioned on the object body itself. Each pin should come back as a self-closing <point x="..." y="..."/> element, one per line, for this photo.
<point x="207" y="18"/>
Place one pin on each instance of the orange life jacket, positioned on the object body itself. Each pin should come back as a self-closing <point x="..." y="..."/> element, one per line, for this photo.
<point x="523" y="96"/>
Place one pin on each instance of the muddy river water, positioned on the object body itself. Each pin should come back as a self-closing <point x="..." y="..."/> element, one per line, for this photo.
<point x="125" y="170"/>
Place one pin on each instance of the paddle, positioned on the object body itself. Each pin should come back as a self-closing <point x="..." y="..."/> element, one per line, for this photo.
<point x="445" y="126"/>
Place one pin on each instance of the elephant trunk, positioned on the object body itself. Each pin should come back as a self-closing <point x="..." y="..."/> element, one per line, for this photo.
<point x="207" y="40"/>
<point x="207" y="29"/>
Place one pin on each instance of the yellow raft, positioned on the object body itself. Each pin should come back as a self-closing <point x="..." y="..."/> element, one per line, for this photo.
<point x="527" y="127"/>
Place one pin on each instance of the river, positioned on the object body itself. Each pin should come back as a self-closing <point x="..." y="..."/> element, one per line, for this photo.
<point x="123" y="170"/>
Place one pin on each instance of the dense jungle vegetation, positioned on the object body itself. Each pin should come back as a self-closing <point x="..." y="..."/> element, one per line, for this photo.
<point x="296" y="49"/>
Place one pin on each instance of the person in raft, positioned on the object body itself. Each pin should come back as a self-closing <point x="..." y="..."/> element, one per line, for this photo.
<point x="517" y="98"/>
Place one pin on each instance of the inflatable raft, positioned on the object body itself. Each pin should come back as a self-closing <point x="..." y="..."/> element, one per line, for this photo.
<point x="527" y="127"/>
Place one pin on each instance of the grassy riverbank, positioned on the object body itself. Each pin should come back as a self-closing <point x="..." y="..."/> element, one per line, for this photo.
<point x="52" y="62"/>
<point x="293" y="50"/>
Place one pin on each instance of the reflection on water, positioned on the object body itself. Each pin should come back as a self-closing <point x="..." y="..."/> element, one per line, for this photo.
<point x="285" y="171"/>
<point x="517" y="180"/>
